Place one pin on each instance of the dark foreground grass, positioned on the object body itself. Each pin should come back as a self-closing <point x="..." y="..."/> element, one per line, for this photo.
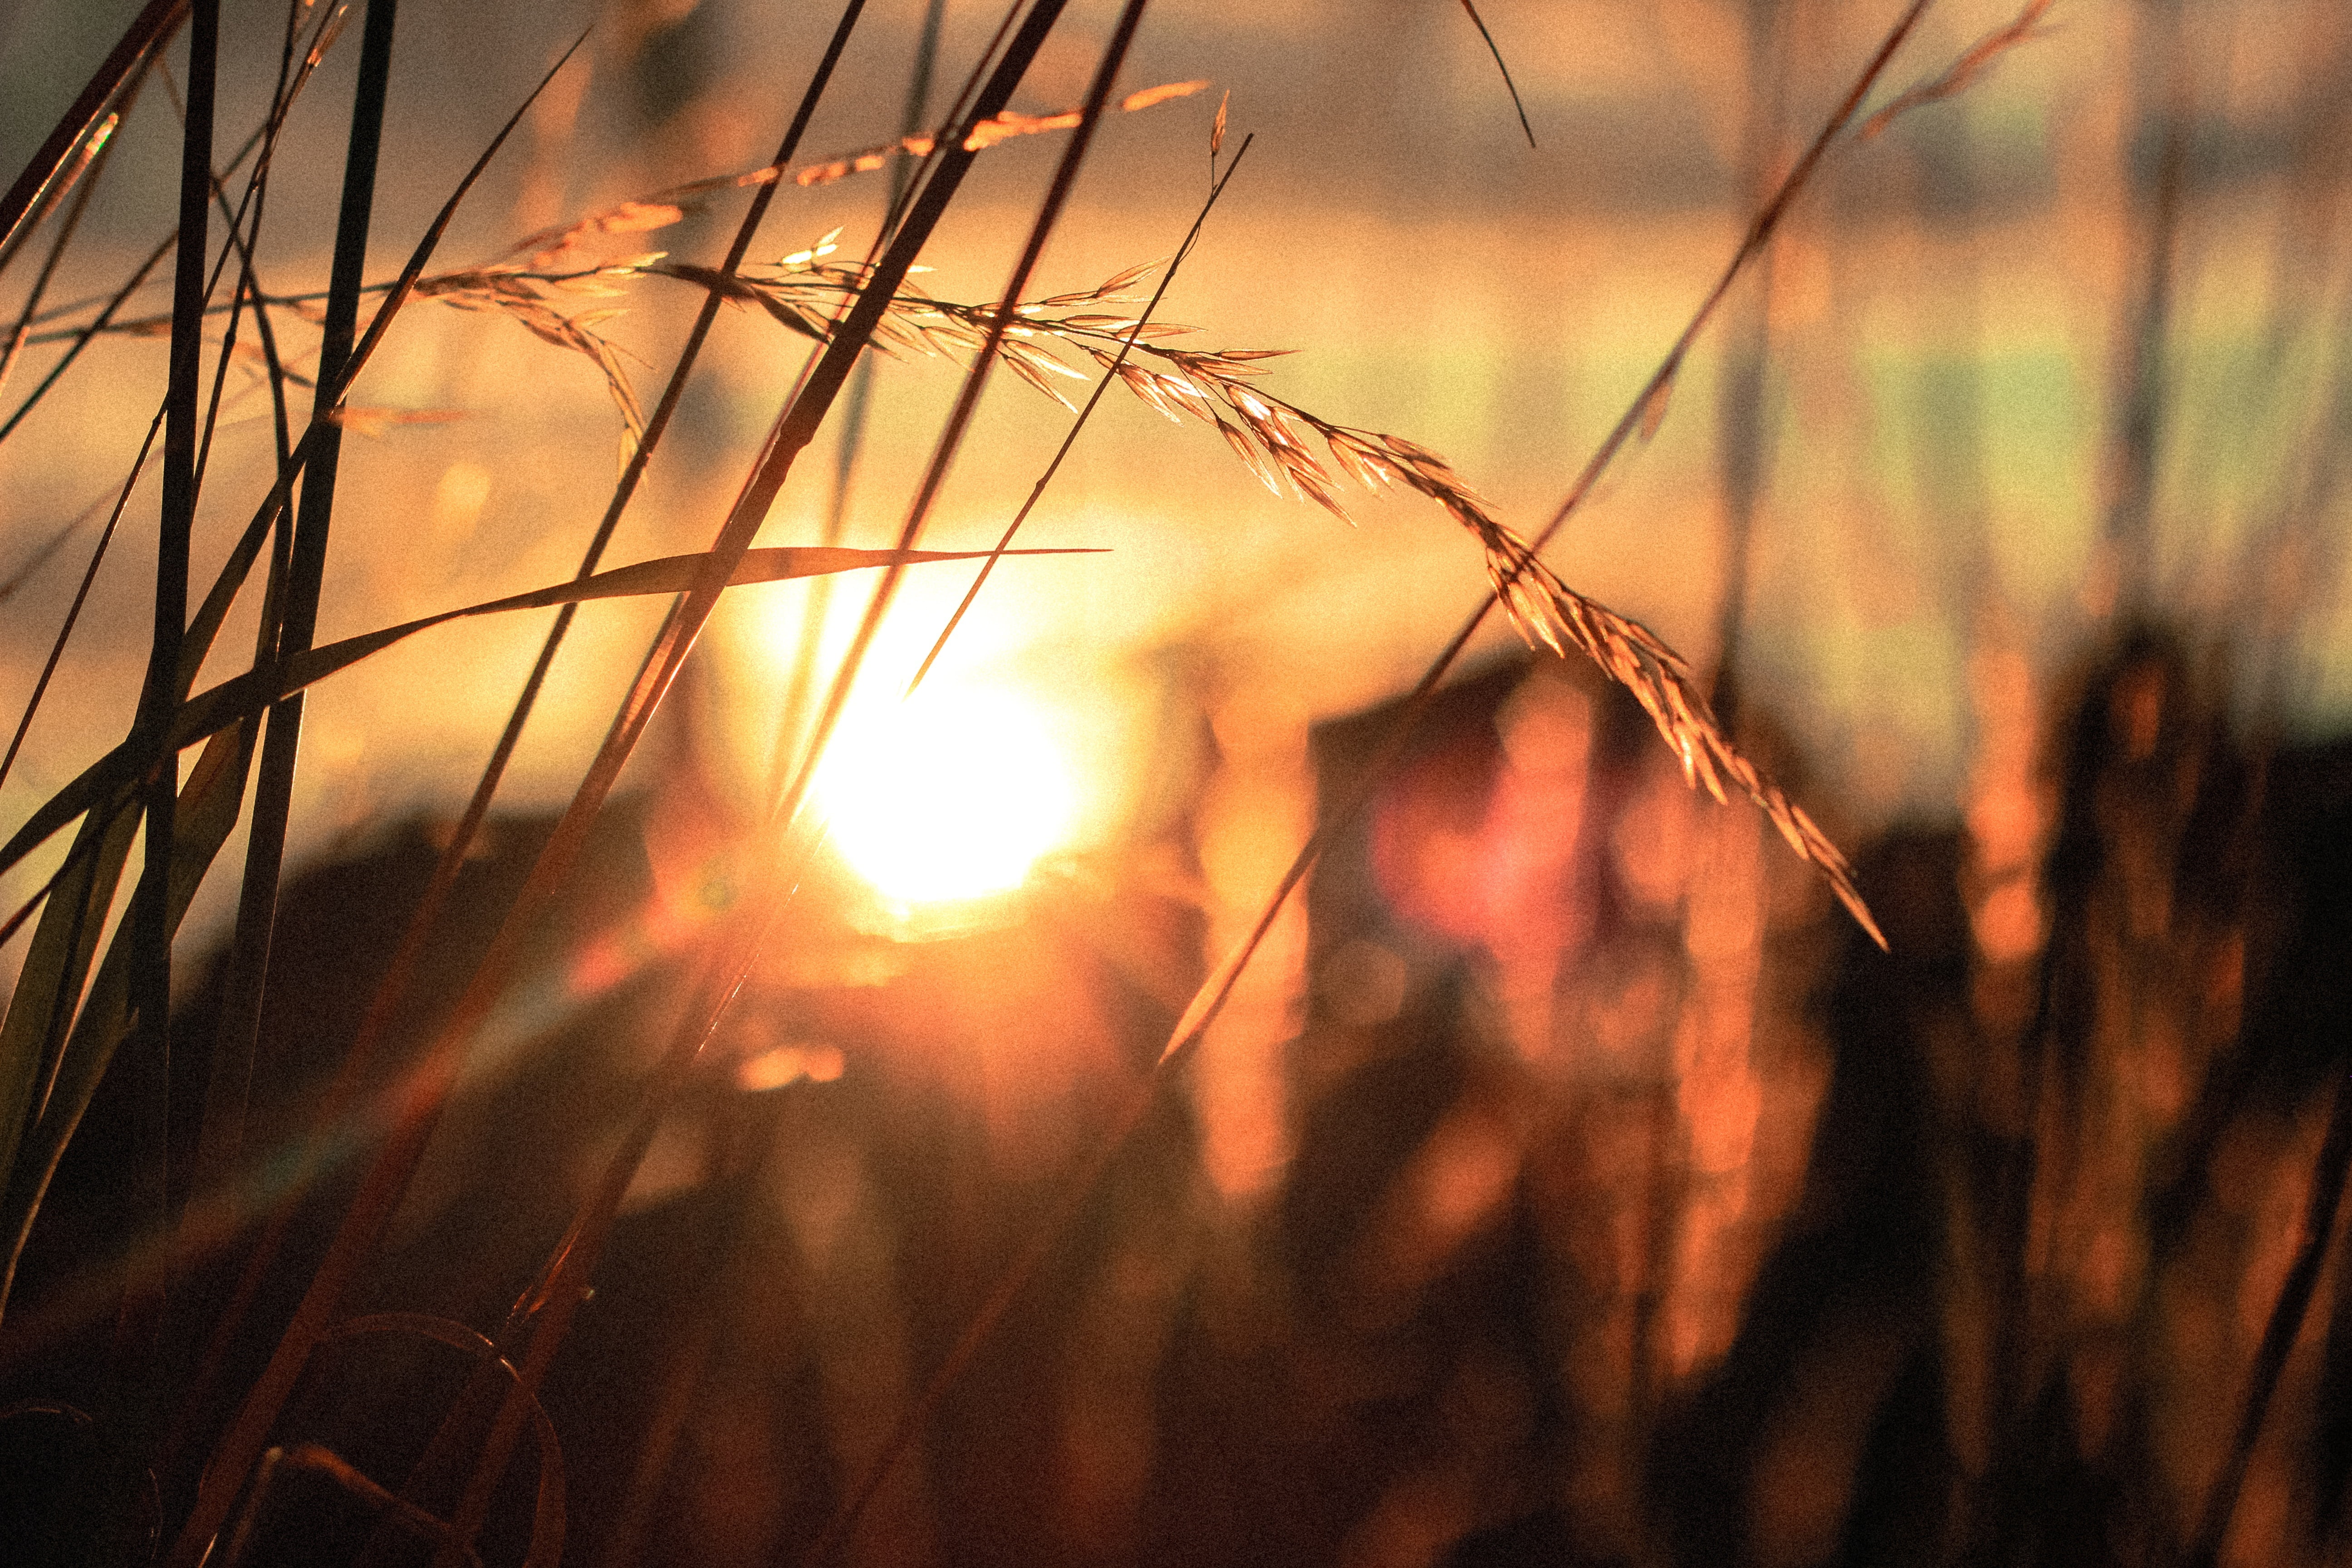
<point x="281" y="1291"/>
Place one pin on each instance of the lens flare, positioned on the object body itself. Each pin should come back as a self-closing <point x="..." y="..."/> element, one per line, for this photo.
<point x="949" y="797"/>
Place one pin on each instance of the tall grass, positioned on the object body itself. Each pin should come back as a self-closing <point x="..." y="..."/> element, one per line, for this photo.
<point x="254" y="1359"/>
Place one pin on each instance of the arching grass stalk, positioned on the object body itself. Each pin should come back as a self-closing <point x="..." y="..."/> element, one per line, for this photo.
<point x="1076" y="1194"/>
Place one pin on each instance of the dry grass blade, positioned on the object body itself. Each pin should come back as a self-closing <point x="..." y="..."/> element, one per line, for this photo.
<point x="1209" y="1002"/>
<point x="554" y="1298"/>
<point x="77" y="339"/>
<point x="56" y="969"/>
<point x="143" y="942"/>
<point x="206" y="812"/>
<point x="1511" y="87"/>
<point x="35" y="184"/>
<point x="242" y="695"/>
<point x="89" y="161"/>
<point x="290" y="610"/>
<point x="1980" y="58"/>
<point x="548" y="1307"/>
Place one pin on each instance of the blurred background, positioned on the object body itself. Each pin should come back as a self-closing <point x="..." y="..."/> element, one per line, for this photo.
<point x="1568" y="1180"/>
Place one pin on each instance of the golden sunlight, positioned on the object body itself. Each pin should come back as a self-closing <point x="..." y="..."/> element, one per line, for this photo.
<point x="952" y="794"/>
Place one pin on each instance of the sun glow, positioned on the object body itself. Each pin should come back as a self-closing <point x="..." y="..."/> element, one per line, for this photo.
<point x="949" y="797"/>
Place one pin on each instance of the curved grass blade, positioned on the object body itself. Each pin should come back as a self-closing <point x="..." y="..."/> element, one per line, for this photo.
<point x="244" y="695"/>
<point x="547" y="1513"/>
<point x="1508" y="85"/>
<point x="198" y="633"/>
<point x="387" y="1177"/>
<point x="213" y="611"/>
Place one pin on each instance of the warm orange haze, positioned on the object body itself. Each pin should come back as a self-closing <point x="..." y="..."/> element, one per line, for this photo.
<point x="1153" y="781"/>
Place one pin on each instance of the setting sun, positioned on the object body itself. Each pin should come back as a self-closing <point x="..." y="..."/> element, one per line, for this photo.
<point x="947" y="797"/>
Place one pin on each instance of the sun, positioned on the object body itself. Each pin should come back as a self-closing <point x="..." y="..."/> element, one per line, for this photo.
<point x="949" y="797"/>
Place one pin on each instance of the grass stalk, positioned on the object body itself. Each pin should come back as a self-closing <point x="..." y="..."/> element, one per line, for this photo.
<point x="2281" y="1328"/>
<point x="148" y="30"/>
<point x="79" y="339"/>
<point x="83" y="338"/>
<point x="91" y="166"/>
<point x="1210" y="1001"/>
<point x="148" y="921"/>
<point x="1077" y="423"/>
<point x="292" y="631"/>
<point x="81" y="595"/>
